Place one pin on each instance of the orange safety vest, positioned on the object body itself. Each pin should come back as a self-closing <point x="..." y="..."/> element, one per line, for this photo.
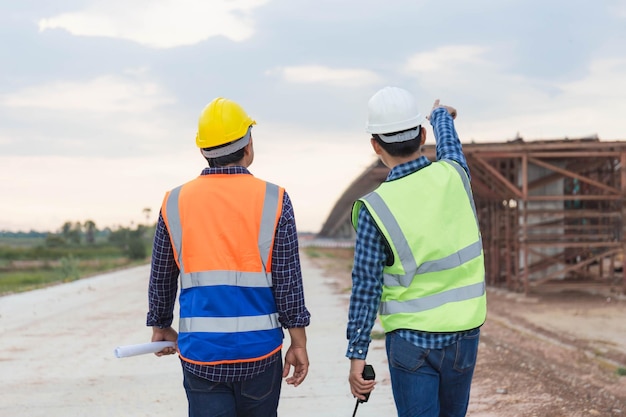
<point x="222" y="229"/>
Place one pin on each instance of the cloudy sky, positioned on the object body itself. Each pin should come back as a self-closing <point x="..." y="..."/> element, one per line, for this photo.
<point x="99" y="99"/>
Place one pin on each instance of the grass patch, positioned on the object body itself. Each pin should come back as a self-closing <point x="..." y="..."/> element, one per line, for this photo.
<point x="26" y="280"/>
<point x="621" y="371"/>
<point x="67" y="269"/>
<point x="31" y="262"/>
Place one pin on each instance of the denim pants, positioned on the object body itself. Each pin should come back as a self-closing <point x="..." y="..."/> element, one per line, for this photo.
<point x="255" y="397"/>
<point x="431" y="382"/>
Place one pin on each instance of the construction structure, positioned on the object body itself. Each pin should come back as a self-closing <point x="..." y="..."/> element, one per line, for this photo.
<point x="550" y="212"/>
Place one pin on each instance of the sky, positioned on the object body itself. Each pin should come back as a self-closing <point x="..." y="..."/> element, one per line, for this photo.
<point x="100" y="99"/>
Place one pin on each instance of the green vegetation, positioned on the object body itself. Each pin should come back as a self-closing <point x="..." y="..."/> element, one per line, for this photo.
<point x="621" y="371"/>
<point x="34" y="260"/>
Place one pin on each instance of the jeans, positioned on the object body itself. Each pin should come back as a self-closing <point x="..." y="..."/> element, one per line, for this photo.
<point x="431" y="382"/>
<point x="255" y="397"/>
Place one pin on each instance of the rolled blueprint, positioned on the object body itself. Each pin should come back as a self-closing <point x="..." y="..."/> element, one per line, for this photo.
<point x="140" y="349"/>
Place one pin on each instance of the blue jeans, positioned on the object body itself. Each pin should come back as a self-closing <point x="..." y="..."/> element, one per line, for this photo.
<point x="431" y="382"/>
<point x="255" y="397"/>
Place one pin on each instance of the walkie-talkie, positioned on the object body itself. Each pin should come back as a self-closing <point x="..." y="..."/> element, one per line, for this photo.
<point x="368" y="375"/>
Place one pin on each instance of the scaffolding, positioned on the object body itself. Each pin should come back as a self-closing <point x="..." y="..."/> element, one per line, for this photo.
<point x="550" y="212"/>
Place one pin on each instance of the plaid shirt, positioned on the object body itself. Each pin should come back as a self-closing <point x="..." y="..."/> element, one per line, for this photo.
<point x="287" y="288"/>
<point x="371" y="254"/>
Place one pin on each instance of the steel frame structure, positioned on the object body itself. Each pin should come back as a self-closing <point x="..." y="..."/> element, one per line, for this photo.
<point x="550" y="211"/>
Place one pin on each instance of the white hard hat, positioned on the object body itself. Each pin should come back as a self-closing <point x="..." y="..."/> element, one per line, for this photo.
<point x="392" y="109"/>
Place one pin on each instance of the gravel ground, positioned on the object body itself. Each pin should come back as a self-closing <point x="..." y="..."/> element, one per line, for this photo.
<point x="552" y="354"/>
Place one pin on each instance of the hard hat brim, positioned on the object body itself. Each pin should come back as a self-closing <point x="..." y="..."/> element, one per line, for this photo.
<point x="228" y="149"/>
<point x="386" y="128"/>
<point x="401" y="137"/>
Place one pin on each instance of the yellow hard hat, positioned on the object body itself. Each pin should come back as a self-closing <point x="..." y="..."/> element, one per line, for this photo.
<point x="222" y="121"/>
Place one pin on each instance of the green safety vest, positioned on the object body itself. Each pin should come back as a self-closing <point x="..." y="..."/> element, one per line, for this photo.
<point x="437" y="280"/>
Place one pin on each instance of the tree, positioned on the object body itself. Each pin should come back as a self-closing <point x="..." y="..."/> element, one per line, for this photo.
<point x="90" y="231"/>
<point x="136" y="246"/>
<point x="130" y="241"/>
<point x="75" y="233"/>
<point x="147" y="211"/>
<point x="66" y="229"/>
<point x="119" y="237"/>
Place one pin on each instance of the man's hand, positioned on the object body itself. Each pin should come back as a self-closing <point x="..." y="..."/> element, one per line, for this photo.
<point x="166" y="334"/>
<point x="298" y="358"/>
<point x="358" y="385"/>
<point x="450" y="109"/>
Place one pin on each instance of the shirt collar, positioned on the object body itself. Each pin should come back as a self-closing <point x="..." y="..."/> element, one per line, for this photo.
<point x="407" y="168"/>
<point x="225" y="170"/>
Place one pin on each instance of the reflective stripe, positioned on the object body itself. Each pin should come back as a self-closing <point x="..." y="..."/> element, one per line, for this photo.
<point x="433" y="301"/>
<point x="405" y="254"/>
<point x="452" y="261"/>
<point x="466" y="183"/>
<point x="409" y="264"/>
<point x="209" y="278"/>
<point x="268" y="218"/>
<point x="173" y="222"/>
<point x="228" y="324"/>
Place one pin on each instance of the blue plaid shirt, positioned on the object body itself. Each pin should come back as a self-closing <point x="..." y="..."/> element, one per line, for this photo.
<point x="371" y="254"/>
<point x="286" y="278"/>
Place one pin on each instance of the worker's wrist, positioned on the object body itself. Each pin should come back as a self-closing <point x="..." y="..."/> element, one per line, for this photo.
<point x="355" y="352"/>
<point x="161" y="326"/>
<point x="436" y="113"/>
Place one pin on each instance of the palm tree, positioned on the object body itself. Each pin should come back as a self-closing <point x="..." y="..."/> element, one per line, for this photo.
<point x="147" y="211"/>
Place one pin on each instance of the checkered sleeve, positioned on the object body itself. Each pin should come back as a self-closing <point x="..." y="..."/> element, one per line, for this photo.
<point x="369" y="260"/>
<point x="286" y="271"/>
<point x="163" y="283"/>
<point x="448" y="143"/>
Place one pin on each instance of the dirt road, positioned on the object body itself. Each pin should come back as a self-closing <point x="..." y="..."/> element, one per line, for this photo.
<point x="56" y="354"/>
<point x="551" y="354"/>
<point x="532" y="362"/>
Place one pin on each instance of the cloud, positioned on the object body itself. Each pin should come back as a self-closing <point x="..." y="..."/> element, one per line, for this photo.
<point x="591" y="105"/>
<point x="605" y="81"/>
<point x="620" y="10"/>
<point x="453" y="70"/>
<point x="160" y="23"/>
<point x="446" y="59"/>
<point x="496" y="102"/>
<point x="115" y="115"/>
<point x="317" y="74"/>
<point x="104" y="94"/>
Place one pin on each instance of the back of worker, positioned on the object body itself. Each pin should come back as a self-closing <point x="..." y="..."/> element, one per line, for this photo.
<point x="227" y="309"/>
<point x="436" y="258"/>
<point x="232" y="239"/>
<point x="418" y="261"/>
